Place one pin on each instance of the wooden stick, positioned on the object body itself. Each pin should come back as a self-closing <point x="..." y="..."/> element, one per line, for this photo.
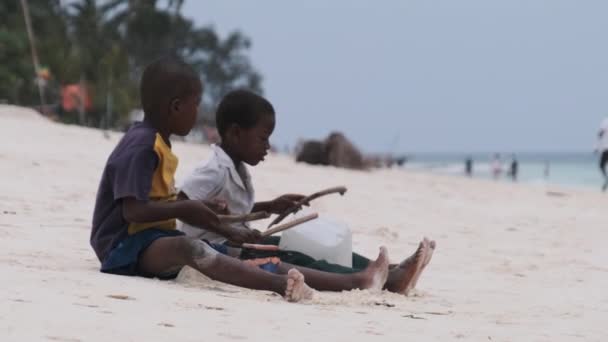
<point x="306" y="200"/>
<point x="260" y="247"/>
<point x="290" y="224"/>
<point x="227" y="219"/>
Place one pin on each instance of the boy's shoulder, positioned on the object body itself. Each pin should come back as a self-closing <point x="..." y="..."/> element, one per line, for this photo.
<point x="140" y="137"/>
<point x="140" y="133"/>
<point x="212" y="165"/>
<point x="207" y="178"/>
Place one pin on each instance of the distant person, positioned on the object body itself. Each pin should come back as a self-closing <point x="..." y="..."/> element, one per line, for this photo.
<point x="496" y="166"/>
<point x="514" y="168"/>
<point x="468" y="167"/>
<point x="602" y="149"/>
<point x="547" y="171"/>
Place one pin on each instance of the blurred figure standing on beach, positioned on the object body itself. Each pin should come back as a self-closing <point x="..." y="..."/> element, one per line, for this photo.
<point x="602" y="150"/>
<point x="514" y="168"/>
<point x="496" y="166"/>
<point x="468" y="166"/>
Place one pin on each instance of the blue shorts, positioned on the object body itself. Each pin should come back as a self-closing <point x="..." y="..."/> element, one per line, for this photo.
<point x="123" y="259"/>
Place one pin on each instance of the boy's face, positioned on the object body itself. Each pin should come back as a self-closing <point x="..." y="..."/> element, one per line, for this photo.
<point x="184" y="112"/>
<point x="253" y="143"/>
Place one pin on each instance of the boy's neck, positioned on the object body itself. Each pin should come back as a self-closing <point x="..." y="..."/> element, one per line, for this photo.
<point x="230" y="152"/>
<point x="164" y="133"/>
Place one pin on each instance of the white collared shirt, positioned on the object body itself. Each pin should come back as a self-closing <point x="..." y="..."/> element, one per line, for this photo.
<point x="217" y="178"/>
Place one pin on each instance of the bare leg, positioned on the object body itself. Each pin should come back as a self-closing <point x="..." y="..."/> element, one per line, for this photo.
<point x="603" y="165"/>
<point x="400" y="278"/>
<point x="171" y="253"/>
<point x="605" y="186"/>
<point x="373" y="277"/>
<point x="296" y="288"/>
<point x="426" y="261"/>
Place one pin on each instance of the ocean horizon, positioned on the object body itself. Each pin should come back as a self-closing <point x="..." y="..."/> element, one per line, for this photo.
<point x="571" y="169"/>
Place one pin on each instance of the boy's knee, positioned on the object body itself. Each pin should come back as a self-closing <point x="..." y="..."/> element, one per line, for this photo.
<point x="200" y="252"/>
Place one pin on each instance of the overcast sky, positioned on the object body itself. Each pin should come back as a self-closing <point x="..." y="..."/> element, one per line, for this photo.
<point x="428" y="76"/>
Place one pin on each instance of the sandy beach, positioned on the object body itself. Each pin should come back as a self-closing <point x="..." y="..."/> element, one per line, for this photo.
<point x="513" y="263"/>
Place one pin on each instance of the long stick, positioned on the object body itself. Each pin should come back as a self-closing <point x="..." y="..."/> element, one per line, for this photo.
<point x="226" y="219"/>
<point x="290" y="224"/>
<point x="306" y="200"/>
<point x="260" y="247"/>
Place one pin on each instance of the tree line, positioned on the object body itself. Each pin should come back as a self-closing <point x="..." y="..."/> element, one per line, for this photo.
<point x="103" y="46"/>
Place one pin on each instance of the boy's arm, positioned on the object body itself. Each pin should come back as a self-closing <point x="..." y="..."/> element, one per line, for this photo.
<point x="192" y="212"/>
<point x="279" y="204"/>
<point x="600" y="134"/>
<point x="216" y="205"/>
<point x="262" y="206"/>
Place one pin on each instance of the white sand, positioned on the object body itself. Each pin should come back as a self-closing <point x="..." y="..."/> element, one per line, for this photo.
<point x="513" y="262"/>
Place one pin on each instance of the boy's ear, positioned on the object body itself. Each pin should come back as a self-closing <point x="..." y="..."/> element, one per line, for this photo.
<point x="233" y="131"/>
<point x="174" y="105"/>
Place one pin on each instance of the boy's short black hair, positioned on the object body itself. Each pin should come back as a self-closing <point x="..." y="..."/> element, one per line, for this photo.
<point x="241" y="107"/>
<point x="164" y="80"/>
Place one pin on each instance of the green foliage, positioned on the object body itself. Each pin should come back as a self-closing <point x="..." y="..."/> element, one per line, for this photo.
<point x="106" y="45"/>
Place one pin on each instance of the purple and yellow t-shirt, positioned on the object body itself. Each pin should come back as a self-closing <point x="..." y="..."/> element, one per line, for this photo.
<point x="141" y="166"/>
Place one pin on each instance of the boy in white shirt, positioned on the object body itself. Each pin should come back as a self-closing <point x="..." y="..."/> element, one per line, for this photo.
<point x="245" y="122"/>
<point x="218" y="178"/>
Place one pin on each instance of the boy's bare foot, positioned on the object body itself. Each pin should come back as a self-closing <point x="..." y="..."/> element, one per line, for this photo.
<point x="376" y="273"/>
<point x="401" y="277"/>
<point x="297" y="289"/>
<point x="427" y="259"/>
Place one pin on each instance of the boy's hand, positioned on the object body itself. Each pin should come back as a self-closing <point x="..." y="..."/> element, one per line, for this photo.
<point x="282" y="203"/>
<point x="218" y="206"/>
<point x="243" y="235"/>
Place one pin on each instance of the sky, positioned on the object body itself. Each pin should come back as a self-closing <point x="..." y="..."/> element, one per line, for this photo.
<point x="425" y="75"/>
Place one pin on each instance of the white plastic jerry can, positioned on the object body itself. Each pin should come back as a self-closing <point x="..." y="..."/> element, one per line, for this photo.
<point x="322" y="239"/>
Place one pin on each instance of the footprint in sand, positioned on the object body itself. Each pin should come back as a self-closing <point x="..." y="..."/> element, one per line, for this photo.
<point x="232" y="337"/>
<point x="63" y="339"/>
<point x="121" y="297"/>
<point x="217" y="308"/>
<point x="86" y="305"/>
<point x="19" y="300"/>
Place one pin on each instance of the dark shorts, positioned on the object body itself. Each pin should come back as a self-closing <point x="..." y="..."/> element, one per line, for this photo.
<point x="604" y="161"/>
<point x="123" y="259"/>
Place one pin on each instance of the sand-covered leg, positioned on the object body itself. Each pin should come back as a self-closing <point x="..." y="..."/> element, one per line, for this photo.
<point x="376" y="273"/>
<point x="372" y="277"/>
<point x="427" y="259"/>
<point x="297" y="289"/>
